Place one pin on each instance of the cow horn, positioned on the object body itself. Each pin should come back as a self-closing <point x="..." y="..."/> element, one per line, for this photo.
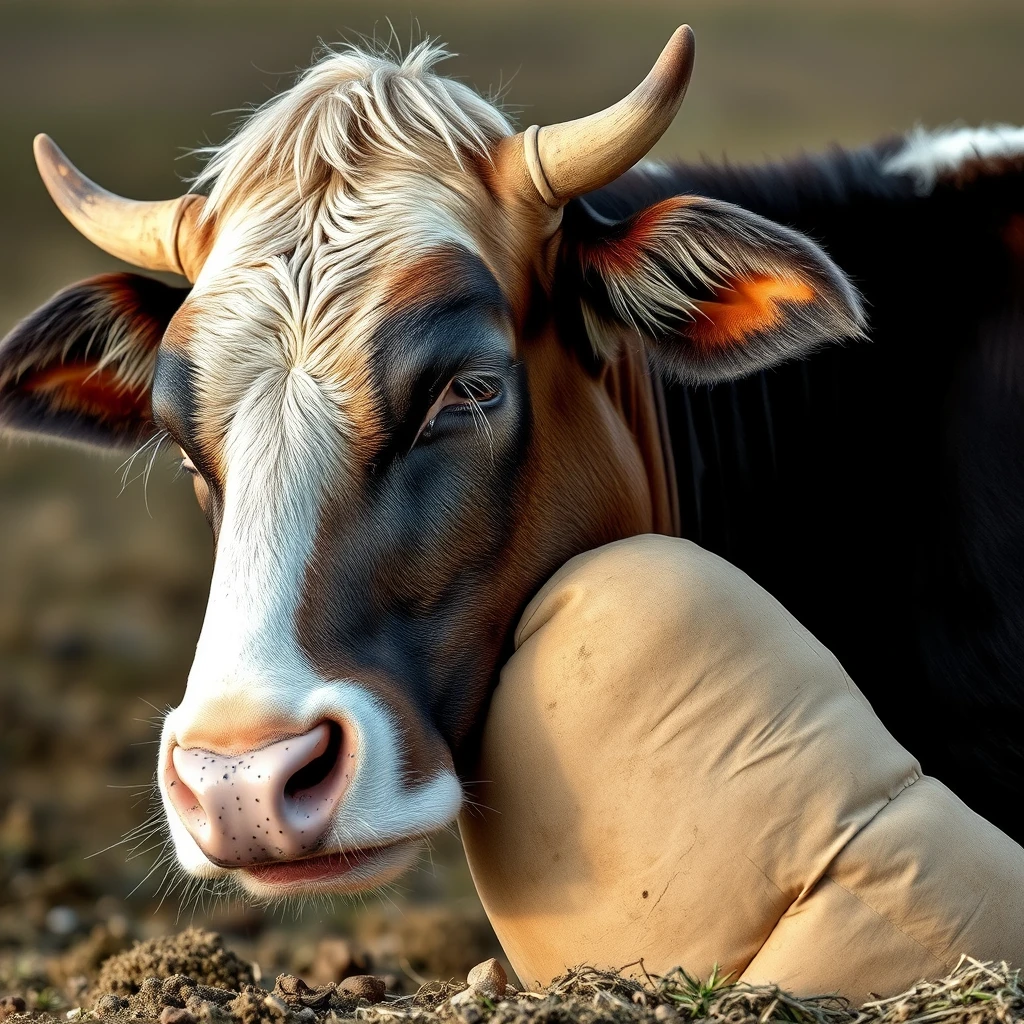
<point x="154" y="235"/>
<point x="569" y="159"/>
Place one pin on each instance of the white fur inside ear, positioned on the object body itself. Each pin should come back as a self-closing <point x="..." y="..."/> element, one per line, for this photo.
<point x="927" y="155"/>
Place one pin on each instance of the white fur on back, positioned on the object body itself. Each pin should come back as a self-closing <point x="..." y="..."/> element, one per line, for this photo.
<point x="928" y="155"/>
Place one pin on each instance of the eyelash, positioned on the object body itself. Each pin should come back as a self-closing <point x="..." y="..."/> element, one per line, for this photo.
<point x="474" y="392"/>
<point x="477" y="389"/>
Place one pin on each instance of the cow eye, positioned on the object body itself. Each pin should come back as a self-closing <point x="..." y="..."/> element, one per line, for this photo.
<point x="473" y="389"/>
<point x="467" y="393"/>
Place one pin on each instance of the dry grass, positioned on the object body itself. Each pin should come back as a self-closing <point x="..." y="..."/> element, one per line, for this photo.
<point x="192" y="978"/>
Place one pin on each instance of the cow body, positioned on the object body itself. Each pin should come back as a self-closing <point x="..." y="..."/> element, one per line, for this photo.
<point x="877" y="489"/>
<point x="424" y="361"/>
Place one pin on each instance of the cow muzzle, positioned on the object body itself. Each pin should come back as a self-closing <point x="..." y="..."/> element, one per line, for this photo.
<point x="275" y="803"/>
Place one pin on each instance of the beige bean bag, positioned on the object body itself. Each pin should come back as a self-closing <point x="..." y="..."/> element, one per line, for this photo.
<point x="681" y="772"/>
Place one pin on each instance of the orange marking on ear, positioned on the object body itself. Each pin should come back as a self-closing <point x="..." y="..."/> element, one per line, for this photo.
<point x="620" y="254"/>
<point x="746" y="306"/>
<point x="79" y="387"/>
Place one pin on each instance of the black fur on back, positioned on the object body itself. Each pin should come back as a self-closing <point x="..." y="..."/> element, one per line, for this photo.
<point x="877" y="488"/>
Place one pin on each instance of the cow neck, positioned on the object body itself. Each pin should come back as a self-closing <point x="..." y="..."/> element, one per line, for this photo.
<point x="638" y="394"/>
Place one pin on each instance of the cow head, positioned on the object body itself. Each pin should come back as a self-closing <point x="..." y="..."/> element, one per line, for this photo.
<point x="408" y="381"/>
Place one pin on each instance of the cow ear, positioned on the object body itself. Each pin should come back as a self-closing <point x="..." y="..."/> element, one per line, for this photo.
<point x="81" y="367"/>
<point x="718" y="292"/>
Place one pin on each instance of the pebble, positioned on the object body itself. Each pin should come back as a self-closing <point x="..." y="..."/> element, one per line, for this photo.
<point x="488" y="979"/>
<point x="291" y="985"/>
<point x="664" y="1012"/>
<point x="363" y="986"/>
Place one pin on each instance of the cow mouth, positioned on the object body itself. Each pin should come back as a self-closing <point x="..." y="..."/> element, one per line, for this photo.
<point x="342" y="870"/>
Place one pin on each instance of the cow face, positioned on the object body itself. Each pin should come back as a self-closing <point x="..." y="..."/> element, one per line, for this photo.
<point x="398" y="383"/>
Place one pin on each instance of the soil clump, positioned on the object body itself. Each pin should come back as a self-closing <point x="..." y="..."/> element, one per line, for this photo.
<point x="192" y="978"/>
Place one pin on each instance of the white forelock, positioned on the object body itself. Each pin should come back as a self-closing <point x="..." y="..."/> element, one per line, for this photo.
<point x="351" y="110"/>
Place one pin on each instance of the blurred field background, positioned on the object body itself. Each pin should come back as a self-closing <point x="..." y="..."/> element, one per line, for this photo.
<point x="101" y="598"/>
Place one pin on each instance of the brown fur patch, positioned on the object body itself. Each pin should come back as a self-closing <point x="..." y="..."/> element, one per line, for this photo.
<point x="426" y="279"/>
<point x="81" y="388"/>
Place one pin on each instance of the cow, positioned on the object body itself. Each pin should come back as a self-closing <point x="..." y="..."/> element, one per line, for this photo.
<point x="423" y="359"/>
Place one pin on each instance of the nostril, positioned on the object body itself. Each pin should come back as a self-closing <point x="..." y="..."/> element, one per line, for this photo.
<point x="318" y="770"/>
<point x="272" y="803"/>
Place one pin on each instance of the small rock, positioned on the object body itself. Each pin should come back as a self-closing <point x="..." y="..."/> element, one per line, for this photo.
<point x="110" y="1004"/>
<point x="664" y="1012"/>
<point x="74" y="1014"/>
<point x="15" y="1004"/>
<point x="488" y="979"/>
<point x="363" y="986"/>
<point x="306" y="1015"/>
<point x="289" y="985"/>
<point x="176" y="1015"/>
<point x="276" y="1005"/>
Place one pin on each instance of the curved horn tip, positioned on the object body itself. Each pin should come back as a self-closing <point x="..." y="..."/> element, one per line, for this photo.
<point x="41" y="145"/>
<point x="146" y="234"/>
<point x="677" y="57"/>
<point x="47" y="153"/>
<point x="574" y="157"/>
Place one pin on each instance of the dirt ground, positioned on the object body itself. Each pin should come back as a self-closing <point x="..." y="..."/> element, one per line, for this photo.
<point x="193" y="977"/>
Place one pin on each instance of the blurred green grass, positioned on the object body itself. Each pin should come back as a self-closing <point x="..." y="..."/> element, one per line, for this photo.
<point x="100" y="603"/>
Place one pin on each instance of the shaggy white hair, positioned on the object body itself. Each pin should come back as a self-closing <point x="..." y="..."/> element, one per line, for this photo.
<point x="349" y="111"/>
<point x="323" y="194"/>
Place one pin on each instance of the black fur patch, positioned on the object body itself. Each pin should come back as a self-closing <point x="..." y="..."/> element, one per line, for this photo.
<point x="51" y="378"/>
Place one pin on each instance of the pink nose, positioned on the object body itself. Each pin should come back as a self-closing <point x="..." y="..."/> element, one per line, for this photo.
<point x="270" y="804"/>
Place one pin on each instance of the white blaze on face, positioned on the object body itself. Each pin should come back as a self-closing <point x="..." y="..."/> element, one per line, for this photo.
<point x="250" y="684"/>
<point x="311" y="210"/>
